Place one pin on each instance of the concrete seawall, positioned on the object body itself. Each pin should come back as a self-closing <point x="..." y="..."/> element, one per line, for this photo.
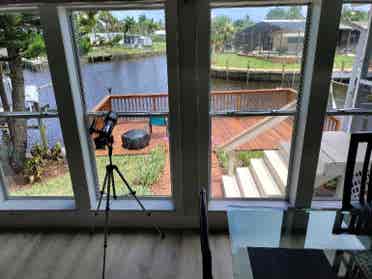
<point x="266" y="75"/>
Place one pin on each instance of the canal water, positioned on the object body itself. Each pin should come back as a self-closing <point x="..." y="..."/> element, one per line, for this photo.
<point x="147" y="75"/>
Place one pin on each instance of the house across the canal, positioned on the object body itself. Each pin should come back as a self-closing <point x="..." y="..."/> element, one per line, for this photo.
<point x="287" y="37"/>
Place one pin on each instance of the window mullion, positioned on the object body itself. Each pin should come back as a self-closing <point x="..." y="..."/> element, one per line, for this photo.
<point x="193" y="77"/>
<point x="174" y="100"/>
<point x="317" y="72"/>
<point x="65" y="77"/>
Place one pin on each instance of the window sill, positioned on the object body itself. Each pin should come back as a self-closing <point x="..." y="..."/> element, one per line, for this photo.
<point x="132" y="205"/>
<point x="37" y="204"/>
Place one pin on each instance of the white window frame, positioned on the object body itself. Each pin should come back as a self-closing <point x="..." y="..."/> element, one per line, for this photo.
<point x="188" y="28"/>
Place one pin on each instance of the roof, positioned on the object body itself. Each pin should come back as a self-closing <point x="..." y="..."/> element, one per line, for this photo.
<point x="287" y="24"/>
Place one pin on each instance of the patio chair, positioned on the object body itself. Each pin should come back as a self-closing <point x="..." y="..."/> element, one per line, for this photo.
<point x="204" y="237"/>
<point x="357" y="202"/>
<point x="158" y="121"/>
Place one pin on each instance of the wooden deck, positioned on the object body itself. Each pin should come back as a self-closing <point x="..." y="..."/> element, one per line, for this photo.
<point x="223" y="128"/>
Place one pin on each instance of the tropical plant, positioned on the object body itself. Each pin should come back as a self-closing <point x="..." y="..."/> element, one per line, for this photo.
<point x="241" y="24"/>
<point x="18" y="32"/>
<point x="107" y="22"/>
<point x="128" y="25"/>
<point x="282" y="13"/>
<point x="56" y="152"/>
<point x="222" y="33"/>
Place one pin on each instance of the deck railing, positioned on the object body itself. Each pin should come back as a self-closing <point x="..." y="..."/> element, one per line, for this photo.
<point x="220" y="101"/>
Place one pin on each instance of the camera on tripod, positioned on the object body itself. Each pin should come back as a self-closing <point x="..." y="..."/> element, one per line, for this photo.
<point x="104" y="135"/>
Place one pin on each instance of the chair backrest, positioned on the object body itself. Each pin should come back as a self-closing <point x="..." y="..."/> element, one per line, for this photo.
<point x="357" y="181"/>
<point x="204" y="237"/>
<point x="158" y="121"/>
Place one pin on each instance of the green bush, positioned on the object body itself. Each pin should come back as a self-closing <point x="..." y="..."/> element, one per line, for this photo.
<point x="33" y="167"/>
<point x="84" y="45"/>
<point x="36" y="47"/>
<point x="56" y="152"/>
<point x="39" y="150"/>
<point x="244" y="157"/>
<point x="223" y="160"/>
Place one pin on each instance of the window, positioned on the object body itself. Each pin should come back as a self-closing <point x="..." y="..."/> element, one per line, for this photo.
<point x="255" y="72"/>
<point x="123" y="66"/>
<point x="257" y="116"/>
<point x="33" y="156"/>
<point x="344" y="95"/>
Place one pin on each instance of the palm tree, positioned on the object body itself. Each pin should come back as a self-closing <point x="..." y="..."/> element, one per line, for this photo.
<point x="108" y="21"/>
<point x="17" y="32"/>
<point x="128" y="24"/>
<point x="222" y="32"/>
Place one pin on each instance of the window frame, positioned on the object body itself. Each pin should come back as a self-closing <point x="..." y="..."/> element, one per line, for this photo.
<point x="185" y="20"/>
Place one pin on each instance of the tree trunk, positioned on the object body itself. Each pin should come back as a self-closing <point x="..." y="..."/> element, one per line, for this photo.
<point x="3" y="96"/>
<point x="5" y="104"/>
<point x="18" y="127"/>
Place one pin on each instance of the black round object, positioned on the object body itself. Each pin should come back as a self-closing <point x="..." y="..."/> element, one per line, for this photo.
<point x="135" y="139"/>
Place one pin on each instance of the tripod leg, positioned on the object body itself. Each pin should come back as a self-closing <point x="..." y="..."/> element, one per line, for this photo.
<point x="133" y="193"/>
<point x="107" y="216"/>
<point x="113" y="186"/>
<point x="102" y="193"/>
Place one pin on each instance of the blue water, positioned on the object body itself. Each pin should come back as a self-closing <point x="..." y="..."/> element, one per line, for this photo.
<point x="147" y="75"/>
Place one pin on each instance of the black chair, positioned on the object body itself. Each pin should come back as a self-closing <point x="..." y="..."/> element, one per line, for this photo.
<point x="355" y="216"/>
<point x="357" y="182"/>
<point x="356" y="209"/>
<point x="204" y="237"/>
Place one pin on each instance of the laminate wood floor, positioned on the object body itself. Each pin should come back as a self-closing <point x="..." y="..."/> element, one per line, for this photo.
<point x="130" y="255"/>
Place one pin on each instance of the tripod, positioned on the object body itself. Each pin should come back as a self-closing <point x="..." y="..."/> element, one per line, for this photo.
<point x="108" y="186"/>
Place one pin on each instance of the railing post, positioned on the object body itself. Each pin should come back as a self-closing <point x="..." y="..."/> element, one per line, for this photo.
<point x="238" y="101"/>
<point x="231" y="164"/>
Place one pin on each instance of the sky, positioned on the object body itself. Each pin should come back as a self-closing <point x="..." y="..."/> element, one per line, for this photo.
<point x="255" y="13"/>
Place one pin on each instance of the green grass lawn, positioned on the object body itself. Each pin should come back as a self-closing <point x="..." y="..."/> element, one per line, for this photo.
<point x="118" y="50"/>
<point x="141" y="171"/>
<point x="237" y="61"/>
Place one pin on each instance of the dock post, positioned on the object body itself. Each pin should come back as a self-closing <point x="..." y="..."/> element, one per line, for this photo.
<point x="247" y="77"/>
<point x="227" y="69"/>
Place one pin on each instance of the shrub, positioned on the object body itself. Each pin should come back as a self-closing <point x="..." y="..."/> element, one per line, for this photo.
<point x="33" y="167"/>
<point x="56" y="152"/>
<point x="154" y="163"/>
<point x="41" y="151"/>
<point x="84" y="45"/>
<point x="223" y="160"/>
<point x="36" y="46"/>
<point x="244" y="157"/>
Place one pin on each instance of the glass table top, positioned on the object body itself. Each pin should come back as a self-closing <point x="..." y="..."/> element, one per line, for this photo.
<point x="289" y="229"/>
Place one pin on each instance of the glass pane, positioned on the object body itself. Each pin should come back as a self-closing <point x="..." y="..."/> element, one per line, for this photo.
<point x="26" y="87"/>
<point x="333" y="153"/>
<point x="257" y="47"/>
<point x="354" y="23"/>
<point x="256" y="55"/>
<point x="250" y="156"/>
<point x="124" y="69"/>
<point x="45" y="170"/>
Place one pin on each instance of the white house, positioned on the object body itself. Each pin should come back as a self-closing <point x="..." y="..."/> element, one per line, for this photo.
<point x="96" y="38"/>
<point x="137" y="41"/>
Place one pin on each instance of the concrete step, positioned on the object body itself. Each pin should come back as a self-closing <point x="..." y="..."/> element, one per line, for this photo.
<point x="277" y="167"/>
<point x="230" y="187"/>
<point x="246" y="183"/>
<point x="264" y="180"/>
<point x="284" y="151"/>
